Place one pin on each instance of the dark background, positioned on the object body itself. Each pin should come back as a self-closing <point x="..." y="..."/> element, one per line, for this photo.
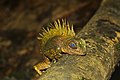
<point x="20" y="23"/>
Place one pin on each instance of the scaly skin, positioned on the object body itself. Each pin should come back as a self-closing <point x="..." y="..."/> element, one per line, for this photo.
<point x="60" y="38"/>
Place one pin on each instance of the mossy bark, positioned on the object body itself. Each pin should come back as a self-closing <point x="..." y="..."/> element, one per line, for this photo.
<point x="102" y="35"/>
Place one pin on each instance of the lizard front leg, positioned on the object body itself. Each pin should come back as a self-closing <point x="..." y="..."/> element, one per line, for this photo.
<point x="42" y="65"/>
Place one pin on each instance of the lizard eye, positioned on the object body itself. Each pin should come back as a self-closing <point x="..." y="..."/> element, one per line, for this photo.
<point x="72" y="45"/>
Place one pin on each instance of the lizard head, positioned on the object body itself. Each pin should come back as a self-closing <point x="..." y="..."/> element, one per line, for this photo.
<point x="73" y="46"/>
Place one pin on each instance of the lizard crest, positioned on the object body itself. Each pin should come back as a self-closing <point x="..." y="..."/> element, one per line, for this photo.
<point x="59" y="28"/>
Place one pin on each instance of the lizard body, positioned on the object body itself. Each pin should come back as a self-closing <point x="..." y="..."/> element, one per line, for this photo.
<point x="60" y="38"/>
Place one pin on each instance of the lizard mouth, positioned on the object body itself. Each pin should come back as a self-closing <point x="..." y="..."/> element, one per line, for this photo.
<point x="75" y="52"/>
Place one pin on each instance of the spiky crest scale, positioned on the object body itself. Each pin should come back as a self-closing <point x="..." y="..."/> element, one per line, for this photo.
<point x="59" y="28"/>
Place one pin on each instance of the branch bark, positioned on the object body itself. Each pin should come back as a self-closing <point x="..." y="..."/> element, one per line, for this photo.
<point x="102" y="35"/>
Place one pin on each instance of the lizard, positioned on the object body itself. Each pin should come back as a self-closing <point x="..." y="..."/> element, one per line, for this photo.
<point x="59" y="38"/>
